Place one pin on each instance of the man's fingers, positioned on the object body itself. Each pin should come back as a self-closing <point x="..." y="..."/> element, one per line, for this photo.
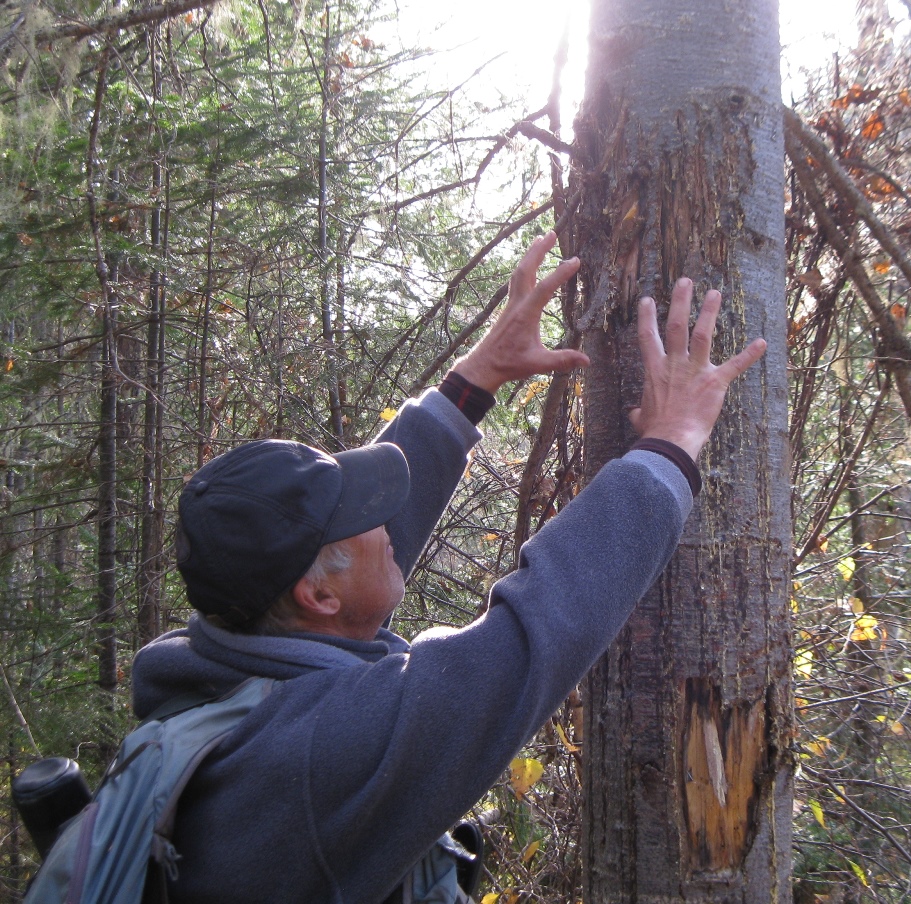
<point x="678" y="317"/>
<point x="649" y="338"/>
<point x="740" y="363"/>
<point x="549" y="284"/>
<point x="701" y="337"/>
<point x="562" y="360"/>
<point x="526" y="273"/>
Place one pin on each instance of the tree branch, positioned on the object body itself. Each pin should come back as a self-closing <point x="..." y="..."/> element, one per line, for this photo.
<point x="860" y="811"/>
<point x="524" y="127"/>
<point x="843" y="184"/>
<point x="122" y="21"/>
<point x="847" y="468"/>
<point x="483" y="315"/>
<point x="895" y="352"/>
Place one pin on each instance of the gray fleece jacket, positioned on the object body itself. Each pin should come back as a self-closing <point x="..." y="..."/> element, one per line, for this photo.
<point x="366" y="752"/>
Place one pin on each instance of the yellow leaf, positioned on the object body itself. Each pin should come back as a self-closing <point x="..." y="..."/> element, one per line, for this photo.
<point x="817" y="812"/>
<point x="882" y="266"/>
<point x="9" y="364"/>
<point x="491" y="538"/>
<point x="523" y="773"/>
<point x="819" y="746"/>
<point x="572" y="748"/>
<point x="467" y="475"/>
<point x="857" y="605"/>
<point x="846" y="568"/>
<point x="897" y="729"/>
<point x="864" y="628"/>
<point x="795" y="606"/>
<point x="490" y="898"/>
<point x="387" y="414"/>
<point x="530" y="851"/>
<point x="859" y="873"/>
<point x="822" y="544"/>
<point x="535" y="388"/>
<point x="803" y="662"/>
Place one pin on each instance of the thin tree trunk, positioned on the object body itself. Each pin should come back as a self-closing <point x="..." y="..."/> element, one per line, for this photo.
<point x="152" y="523"/>
<point x="326" y="289"/>
<point x="107" y="422"/>
<point x="688" y="718"/>
<point x="107" y="510"/>
<point x="202" y="406"/>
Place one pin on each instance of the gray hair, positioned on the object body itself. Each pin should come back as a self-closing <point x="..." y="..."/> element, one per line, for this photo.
<point x="281" y="617"/>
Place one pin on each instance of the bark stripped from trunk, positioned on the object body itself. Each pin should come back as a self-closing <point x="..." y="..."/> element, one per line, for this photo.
<point x="680" y="157"/>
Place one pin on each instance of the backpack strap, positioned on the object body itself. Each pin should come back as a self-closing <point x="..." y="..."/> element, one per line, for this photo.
<point x="247" y="695"/>
<point x="118" y="848"/>
<point x="164" y="857"/>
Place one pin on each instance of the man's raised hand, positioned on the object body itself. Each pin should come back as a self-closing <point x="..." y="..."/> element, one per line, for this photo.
<point x="683" y="391"/>
<point x="512" y="348"/>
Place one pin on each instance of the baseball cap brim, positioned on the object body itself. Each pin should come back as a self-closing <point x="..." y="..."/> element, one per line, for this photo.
<point x="374" y="489"/>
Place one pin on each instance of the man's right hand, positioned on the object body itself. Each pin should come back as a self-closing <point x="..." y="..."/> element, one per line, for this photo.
<point x="684" y="391"/>
<point x="512" y="348"/>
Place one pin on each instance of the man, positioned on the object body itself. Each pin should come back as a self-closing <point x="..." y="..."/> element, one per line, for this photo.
<point x="368" y="749"/>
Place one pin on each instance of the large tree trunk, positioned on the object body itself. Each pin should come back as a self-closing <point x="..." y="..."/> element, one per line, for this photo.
<point x="680" y="157"/>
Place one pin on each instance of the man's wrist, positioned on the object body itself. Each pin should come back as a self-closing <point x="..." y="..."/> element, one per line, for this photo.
<point x="675" y="454"/>
<point x="477" y="374"/>
<point x="472" y="400"/>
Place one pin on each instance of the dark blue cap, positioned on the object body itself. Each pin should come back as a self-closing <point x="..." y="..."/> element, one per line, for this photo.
<point x="253" y="520"/>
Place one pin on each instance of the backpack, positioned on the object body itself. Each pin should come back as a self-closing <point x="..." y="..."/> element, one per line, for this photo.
<point x="118" y="849"/>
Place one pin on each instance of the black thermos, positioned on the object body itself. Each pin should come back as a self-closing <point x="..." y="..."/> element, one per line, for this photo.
<point x="47" y="794"/>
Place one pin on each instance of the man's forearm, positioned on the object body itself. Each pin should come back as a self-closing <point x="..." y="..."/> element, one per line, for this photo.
<point x="436" y="438"/>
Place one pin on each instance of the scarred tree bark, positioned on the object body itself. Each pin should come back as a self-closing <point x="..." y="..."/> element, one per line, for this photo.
<point x="689" y="722"/>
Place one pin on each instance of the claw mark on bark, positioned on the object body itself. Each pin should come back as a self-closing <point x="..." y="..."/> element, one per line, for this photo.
<point x="725" y="752"/>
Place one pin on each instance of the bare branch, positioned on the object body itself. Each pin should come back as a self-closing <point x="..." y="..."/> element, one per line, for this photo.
<point x="895" y="352"/>
<point x="482" y="316"/>
<point x="548" y="139"/>
<point x="887" y="690"/>
<point x="860" y="811"/>
<point x="847" y="469"/>
<point x="524" y="127"/>
<point x="843" y="184"/>
<point x="20" y="718"/>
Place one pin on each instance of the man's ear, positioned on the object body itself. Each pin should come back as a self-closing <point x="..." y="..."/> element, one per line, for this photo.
<point x="313" y="600"/>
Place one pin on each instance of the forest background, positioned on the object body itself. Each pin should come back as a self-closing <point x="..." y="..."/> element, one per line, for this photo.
<point x="247" y="219"/>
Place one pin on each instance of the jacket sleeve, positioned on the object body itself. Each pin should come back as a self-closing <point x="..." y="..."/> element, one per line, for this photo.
<point x="436" y="438"/>
<point x="425" y="734"/>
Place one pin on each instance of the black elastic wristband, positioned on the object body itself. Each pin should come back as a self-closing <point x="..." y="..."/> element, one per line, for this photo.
<point x="471" y="400"/>
<point x="678" y="456"/>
